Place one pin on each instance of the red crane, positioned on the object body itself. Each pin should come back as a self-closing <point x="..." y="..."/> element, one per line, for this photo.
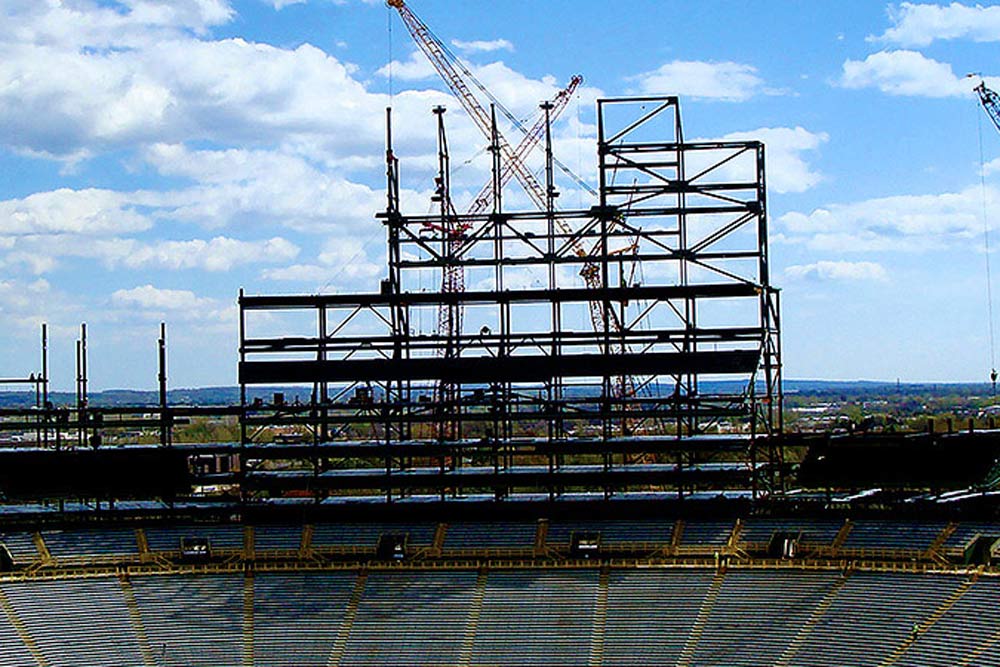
<point x="459" y="78"/>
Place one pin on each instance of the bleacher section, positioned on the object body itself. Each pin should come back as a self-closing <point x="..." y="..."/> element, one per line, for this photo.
<point x="72" y="543"/>
<point x="652" y="532"/>
<point x="411" y="618"/>
<point x="367" y="534"/>
<point x="192" y="620"/>
<point x="75" y="621"/>
<point x="651" y="613"/>
<point x="962" y="631"/>
<point x="893" y="535"/>
<point x="15" y="653"/>
<point x="479" y="535"/>
<point x="536" y="618"/>
<point x="709" y="603"/>
<point x="525" y="616"/>
<point x="874" y="613"/>
<point x="168" y="538"/>
<point x="757" y="615"/>
<point x="295" y="615"/>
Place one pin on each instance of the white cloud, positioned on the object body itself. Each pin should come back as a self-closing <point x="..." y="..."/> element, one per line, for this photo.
<point x="904" y="73"/>
<point x="991" y="167"/>
<point x="904" y="223"/>
<point x="727" y="81"/>
<point x="415" y="68"/>
<point x="154" y="303"/>
<point x="147" y="296"/>
<point x="838" y="271"/>
<point x="787" y="169"/>
<point x="920" y="24"/>
<point x="67" y="99"/>
<point x="24" y="306"/>
<point x="88" y="212"/>
<point x="345" y="262"/>
<point x="216" y="254"/>
<point x="480" y="46"/>
<point x="269" y="187"/>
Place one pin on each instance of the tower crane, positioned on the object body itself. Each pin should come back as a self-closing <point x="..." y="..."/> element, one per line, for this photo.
<point x="991" y="103"/>
<point x="456" y="75"/>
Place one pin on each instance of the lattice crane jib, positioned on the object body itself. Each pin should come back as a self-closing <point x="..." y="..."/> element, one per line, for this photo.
<point x="455" y="74"/>
<point x="991" y="103"/>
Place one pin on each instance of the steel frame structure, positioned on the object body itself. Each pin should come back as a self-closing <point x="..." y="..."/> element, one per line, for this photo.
<point x="676" y="390"/>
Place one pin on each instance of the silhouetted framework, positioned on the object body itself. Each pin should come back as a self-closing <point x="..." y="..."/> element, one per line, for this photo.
<point x="663" y="377"/>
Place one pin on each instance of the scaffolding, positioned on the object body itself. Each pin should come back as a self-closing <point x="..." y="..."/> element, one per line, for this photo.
<point x="630" y="346"/>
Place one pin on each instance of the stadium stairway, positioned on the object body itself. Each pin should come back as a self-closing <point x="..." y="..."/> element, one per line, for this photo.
<point x="930" y="621"/>
<point x="248" y="613"/>
<point x="11" y="656"/>
<point x="600" y="621"/>
<point x="472" y="622"/>
<point x="347" y="624"/>
<point x="803" y="634"/>
<point x="137" y="625"/>
<point x="703" y="614"/>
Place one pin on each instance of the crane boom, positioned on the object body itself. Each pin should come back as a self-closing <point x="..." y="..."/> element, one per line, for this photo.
<point x="991" y="102"/>
<point x="438" y="54"/>
<point x="455" y="74"/>
<point x="528" y="143"/>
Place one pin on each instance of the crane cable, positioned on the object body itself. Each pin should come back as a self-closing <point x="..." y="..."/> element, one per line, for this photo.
<point x="388" y="25"/>
<point x="986" y="242"/>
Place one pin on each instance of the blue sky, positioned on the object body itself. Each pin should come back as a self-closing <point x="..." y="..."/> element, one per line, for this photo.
<point x="157" y="156"/>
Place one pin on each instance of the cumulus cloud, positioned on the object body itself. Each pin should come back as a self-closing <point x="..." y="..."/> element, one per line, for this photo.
<point x="147" y="296"/>
<point x="414" y="68"/>
<point x="838" y="271"/>
<point x="68" y="95"/>
<point x="89" y="212"/>
<point x="343" y="263"/>
<point x="726" y="81"/>
<point x="481" y="46"/>
<point x="269" y="187"/>
<point x="904" y="223"/>
<point x="905" y="73"/>
<point x="785" y="151"/>
<point x="25" y="305"/>
<point x="158" y="303"/>
<point x="921" y="24"/>
<point x="217" y="254"/>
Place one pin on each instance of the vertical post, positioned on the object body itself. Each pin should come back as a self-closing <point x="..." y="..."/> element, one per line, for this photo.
<point x="45" y="382"/>
<point x="46" y="415"/>
<point x="324" y="387"/>
<point x="243" y="386"/>
<point x="79" y="391"/>
<point x="162" y="381"/>
<point x="555" y="423"/>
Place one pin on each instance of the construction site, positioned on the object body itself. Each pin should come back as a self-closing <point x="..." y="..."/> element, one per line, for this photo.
<point x="596" y="418"/>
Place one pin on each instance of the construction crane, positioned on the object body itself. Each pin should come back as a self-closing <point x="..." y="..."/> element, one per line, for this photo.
<point x="991" y="103"/>
<point x="453" y="276"/>
<point x="456" y="75"/>
<point x="528" y="143"/>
